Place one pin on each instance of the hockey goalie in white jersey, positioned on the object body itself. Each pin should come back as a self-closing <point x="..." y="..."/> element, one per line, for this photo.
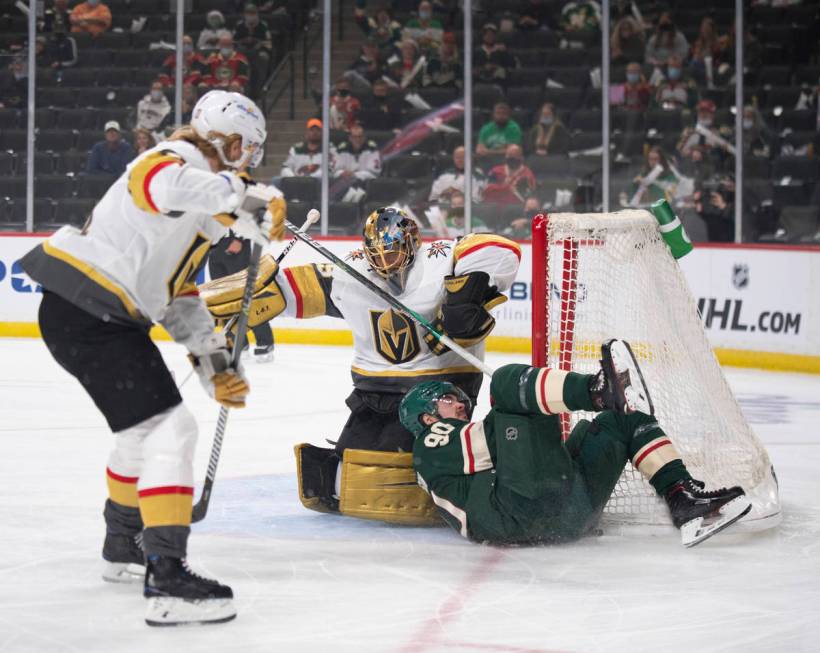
<point x="133" y="264"/>
<point x="452" y="283"/>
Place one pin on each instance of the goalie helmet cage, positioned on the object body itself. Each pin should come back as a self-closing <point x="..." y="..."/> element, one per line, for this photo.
<point x="597" y="276"/>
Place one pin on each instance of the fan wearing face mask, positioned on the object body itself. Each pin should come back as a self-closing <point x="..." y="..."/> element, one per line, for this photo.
<point x="153" y="108"/>
<point x="253" y="38"/>
<point x="678" y="91"/>
<point x="227" y="68"/>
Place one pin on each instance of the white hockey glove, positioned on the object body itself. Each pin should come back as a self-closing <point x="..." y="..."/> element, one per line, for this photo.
<point x="260" y="216"/>
<point x="220" y="379"/>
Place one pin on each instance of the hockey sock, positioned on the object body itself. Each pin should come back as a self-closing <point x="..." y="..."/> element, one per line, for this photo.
<point x="655" y="457"/>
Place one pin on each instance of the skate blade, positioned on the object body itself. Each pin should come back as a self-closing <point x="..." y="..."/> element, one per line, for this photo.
<point x="694" y="532"/>
<point x="636" y="393"/>
<point x="263" y="358"/>
<point x="123" y="572"/>
<point x="172" y="611"/>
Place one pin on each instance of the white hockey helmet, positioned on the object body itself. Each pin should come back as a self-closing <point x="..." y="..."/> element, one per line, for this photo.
<point x="221" y="113"/>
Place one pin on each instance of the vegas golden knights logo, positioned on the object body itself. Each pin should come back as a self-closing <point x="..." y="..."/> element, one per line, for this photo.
<point x="394" y="336"/>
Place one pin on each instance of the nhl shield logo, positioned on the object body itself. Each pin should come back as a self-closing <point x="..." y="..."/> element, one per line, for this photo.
<point x="740" y="275"/>
<point x="394" y="336"/>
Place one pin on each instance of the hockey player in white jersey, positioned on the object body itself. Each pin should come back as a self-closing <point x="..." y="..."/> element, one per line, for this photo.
<point x="452" y="283"/>
<point x="133" y="264"/>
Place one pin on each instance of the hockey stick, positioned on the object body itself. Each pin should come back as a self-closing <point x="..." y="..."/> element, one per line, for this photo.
<point x="395" y="303"/>
<point x="201" y="507"/>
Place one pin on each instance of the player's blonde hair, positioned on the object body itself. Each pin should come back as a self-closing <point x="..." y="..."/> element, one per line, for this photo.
<point x="188" y="134"/>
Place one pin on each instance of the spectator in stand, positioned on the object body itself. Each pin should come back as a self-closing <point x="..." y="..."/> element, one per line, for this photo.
<point x="753" y="55"/>
<point x="447" y="219"/>
<point x="226" y="65"/>
<point x="452" y="180"/>
<point x="368" y="65"/>
<point x="511" y="182"/>
<point x="758" y="139"/>
<point x="57" y="16"/>
<point x="627" y="41"/>
<point x="635" y="94"/>
<point x="381" y="28"/>
<point x="387" y="103"/>
<point x="192" y="65"/>
<point x="412" y="64"/>
<point x="667" y="41"/>
<point x="521" y="228"/>
<point x="91" y="16"/>
<point x="14" y="84"/>
<point x="678" y="90"/>
<point x="706" y="48"/>
<point x="343" y="106"/>
<point x="444" y="69"/>
<point x="214" y="30"/>
<point x="500" y="132"/>
<point x="357" y="160"/>
<point x="425" y="30"/>
<point x="143" y="140"/>
<point x="58" y="52"/>
<point x="62" y="48"/>
<point x="153" y="108"/>
<point x="655" y="181"/>
<point x="305" y="158"/>
<point x="548" y="136"/>
<point x="703" y="135"/>
<point x="254" y="39"/>
<point x="491" y="61"/>
<point x="580" y="17"/>
<point x="535" y="15"/>
<point x="189" y="97"/>
<point x="110" y="156"/>
<point x="715" y="203"/>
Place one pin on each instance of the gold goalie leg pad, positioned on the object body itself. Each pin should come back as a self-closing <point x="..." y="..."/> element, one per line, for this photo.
<point x="382" y="485"/>
<point x="316" y="472"/>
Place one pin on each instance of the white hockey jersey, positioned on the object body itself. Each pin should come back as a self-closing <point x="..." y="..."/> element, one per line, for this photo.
<point x="144" y="242"/>
<point x="389" y="351"/>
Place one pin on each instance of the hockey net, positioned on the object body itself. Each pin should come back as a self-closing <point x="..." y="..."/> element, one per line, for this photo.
<point x="605" y="275"/>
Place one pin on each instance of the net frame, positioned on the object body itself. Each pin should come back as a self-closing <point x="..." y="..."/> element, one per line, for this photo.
<point x="585" y="267"/>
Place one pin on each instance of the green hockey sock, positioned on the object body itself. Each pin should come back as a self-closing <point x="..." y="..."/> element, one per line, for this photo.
<point x="576" y="391"/>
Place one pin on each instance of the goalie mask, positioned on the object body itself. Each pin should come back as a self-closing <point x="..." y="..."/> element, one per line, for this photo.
<point x="220" y="114"/>
<point x="391" y="240"/>
<point x="424" y="398"/>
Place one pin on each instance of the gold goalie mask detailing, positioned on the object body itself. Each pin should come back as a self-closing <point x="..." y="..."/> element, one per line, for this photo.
<point x="391" y="240"/>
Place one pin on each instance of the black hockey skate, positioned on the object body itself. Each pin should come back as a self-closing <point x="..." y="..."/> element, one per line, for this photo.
<point x="177" y="596"/>
<point x="619" y="385"/>
<point x="124" y="558"/>
<point x="700" y="514"/>
<point x="263" y="354"/>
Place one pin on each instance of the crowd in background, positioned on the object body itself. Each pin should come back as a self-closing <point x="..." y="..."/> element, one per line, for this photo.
<point x="537" y="98"/>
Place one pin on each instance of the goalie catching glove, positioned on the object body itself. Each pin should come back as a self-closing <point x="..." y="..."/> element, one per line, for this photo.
<point x="260" y="215"/>
<point x="223" y="297"/>
<point x="464" y="315"/>
<point x="221" y="380"/>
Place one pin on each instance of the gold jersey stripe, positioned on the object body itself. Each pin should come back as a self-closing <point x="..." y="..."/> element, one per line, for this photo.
<point x="479" y="241"/>
<point x="95" y="276"/>
<point x="466" y="369"/>
<point x="310" y="296"/>
<point x="140" y="176"/>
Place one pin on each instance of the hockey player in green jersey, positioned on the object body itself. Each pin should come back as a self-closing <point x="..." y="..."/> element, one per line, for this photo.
<point x="509" y="479"/>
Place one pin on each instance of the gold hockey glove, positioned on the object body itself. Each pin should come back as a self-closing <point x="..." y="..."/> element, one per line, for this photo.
<point x="222" y="381"/>
<point x="223" y="297"/>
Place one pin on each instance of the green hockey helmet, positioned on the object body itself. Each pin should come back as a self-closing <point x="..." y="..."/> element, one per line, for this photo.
<point x="423" y="398"/>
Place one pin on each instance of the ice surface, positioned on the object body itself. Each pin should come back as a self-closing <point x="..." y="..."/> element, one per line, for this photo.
<point x="311" y="582"/>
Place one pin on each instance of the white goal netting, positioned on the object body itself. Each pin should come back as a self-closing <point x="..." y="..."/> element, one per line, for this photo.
<point x="599" y="276"/>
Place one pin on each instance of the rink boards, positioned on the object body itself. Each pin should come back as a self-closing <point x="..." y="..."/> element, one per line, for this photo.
<point x="760" y="305"/>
